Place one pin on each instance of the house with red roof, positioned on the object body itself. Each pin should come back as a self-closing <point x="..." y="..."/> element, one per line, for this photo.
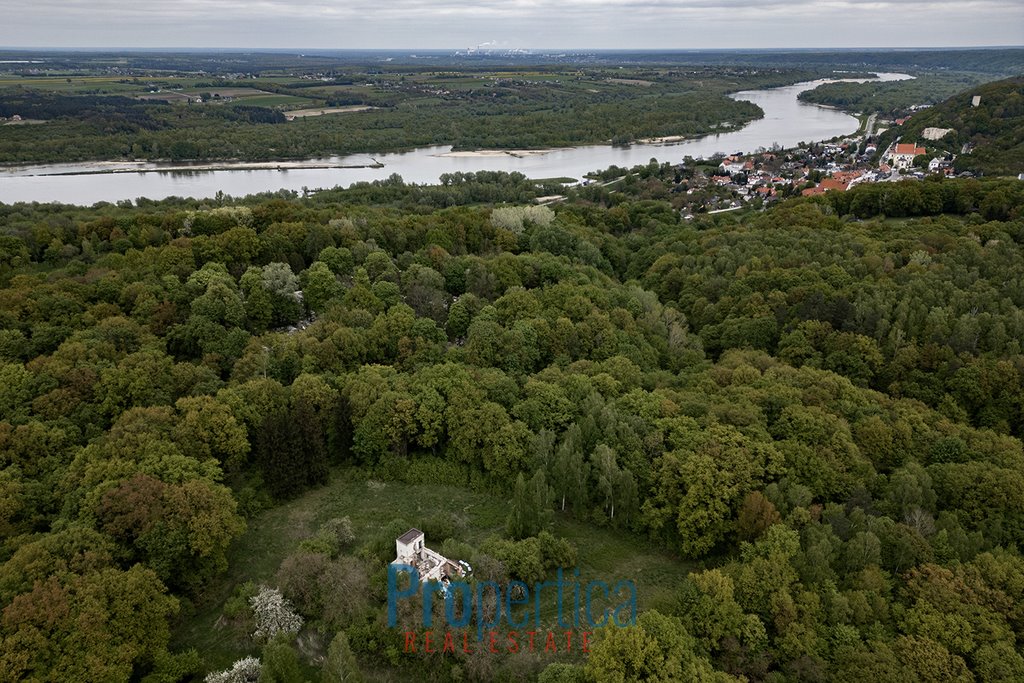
<point x="901" y="155"/>
<point x="826" y="185"/>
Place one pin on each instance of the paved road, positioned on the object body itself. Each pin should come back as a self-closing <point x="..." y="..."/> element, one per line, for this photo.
<point x="869" y="127"/>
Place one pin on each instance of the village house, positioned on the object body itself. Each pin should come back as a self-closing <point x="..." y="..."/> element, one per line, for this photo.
<point x="737" y="166"/>
<point x="848" y="178"/>
<point x="826" y="185"/>
<point x="411" y="550"/>
<point x="940" y="164"/>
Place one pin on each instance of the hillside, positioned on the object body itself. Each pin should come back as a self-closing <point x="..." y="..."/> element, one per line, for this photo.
<point x="893" y="98"/>
<point x="994" y="129"/>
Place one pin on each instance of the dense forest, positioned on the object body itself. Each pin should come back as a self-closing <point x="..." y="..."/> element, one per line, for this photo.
<point x="813" y="412"/>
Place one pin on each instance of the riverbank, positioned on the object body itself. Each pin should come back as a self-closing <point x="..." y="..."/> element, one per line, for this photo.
<point x="107" y="167"/>
<point x="786" y="123"/>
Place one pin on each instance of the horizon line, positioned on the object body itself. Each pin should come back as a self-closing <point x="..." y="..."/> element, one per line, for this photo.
<point x="170" y="48"/>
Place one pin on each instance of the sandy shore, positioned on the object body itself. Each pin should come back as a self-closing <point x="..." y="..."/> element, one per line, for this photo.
<point x="486" y="153"/>
<point x="101" y="167"/>
<point x="665" y="139"/>
<point x="303" y="113"/>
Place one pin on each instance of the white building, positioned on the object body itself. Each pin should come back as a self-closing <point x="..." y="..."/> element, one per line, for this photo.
<point x="731" y="167"/>
<point x="407" y="545"/>
<point x="411" y="549"/>
<point x="901" y="155"/>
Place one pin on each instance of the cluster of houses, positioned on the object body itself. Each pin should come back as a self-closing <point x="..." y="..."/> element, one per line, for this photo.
<point x="736" y="181"/>
<point x="745" y="180"/>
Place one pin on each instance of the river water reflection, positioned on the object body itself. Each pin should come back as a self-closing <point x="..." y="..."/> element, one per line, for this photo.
<point x="787" y="122"/>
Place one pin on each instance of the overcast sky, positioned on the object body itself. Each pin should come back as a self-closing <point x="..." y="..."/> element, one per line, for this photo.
<point x="421" y="24"/>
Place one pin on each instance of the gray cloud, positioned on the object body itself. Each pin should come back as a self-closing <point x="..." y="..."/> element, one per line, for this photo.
<point x="510" y="23"/>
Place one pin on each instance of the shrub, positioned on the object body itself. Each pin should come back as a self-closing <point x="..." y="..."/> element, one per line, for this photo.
<point x="273" y="614"/>
<point x="245" y="670"/>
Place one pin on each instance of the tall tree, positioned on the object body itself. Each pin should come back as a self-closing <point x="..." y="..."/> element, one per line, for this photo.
<point x="606" y="473"/>
<point x="531" y="506"/>
<point x="340" y="665"/>
<point x="522" y="518"/>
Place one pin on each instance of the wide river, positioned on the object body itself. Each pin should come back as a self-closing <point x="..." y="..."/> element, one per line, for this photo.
<point x="787" y="122"/>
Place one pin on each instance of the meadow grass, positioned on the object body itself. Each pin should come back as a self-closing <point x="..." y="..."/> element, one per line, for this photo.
<point x="606" y="554"/>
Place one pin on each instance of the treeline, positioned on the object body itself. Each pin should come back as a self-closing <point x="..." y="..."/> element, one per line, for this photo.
<point x="106" y="114"/>
<point x="344" y="61"/>
<point x="1000" y="61"/>
<point x="823" y="411"/>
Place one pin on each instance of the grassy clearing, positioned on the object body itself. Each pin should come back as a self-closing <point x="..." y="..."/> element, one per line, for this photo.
<point x="604" y="554"/>
<point x="612" y="555"/>
<point x="274" y="534"/>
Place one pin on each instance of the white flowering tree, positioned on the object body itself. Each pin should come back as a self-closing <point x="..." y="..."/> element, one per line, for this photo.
<point x="515" y="218"/>
<point x="243" y="671"/>
<point x="273" y="614"/>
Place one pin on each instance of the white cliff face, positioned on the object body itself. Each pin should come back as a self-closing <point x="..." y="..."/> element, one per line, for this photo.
<point x="936" y="133"/>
